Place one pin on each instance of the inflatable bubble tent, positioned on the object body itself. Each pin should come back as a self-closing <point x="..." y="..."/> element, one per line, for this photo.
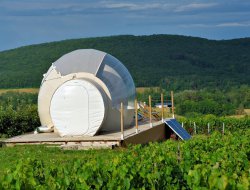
<point x="82" y="91"/>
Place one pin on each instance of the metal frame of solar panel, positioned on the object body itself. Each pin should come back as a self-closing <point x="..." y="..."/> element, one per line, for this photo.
<point x="177" y="128"/>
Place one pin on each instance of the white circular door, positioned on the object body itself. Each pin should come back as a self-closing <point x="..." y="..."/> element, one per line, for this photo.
<point x="77" y="108"/>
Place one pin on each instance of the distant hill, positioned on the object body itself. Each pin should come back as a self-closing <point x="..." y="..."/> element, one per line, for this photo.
<point x="170" y="61"/>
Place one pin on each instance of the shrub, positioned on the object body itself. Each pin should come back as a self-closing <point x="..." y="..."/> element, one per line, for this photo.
<point x="16" y="122"/>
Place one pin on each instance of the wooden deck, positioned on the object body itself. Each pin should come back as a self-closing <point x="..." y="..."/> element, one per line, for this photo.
<point x="104" y="140"/>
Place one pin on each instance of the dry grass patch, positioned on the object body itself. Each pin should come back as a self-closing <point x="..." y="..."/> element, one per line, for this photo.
<point x="143" y="89"/>
<point x="26" y="90"/>
<point x="247" y="111"/>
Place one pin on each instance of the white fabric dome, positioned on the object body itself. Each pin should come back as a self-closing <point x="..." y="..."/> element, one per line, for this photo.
<point x="82" y="91"/>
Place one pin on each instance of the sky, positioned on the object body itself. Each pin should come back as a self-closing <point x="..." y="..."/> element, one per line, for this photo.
<point x="26" y="22"/>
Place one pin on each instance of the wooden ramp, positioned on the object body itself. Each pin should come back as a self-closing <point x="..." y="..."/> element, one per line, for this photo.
<point x="105" y="140"/>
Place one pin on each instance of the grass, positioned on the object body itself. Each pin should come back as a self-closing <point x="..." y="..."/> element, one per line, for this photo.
<point x="143" y="89"/>
<point x="51" y="155"/>
<point x="247" y="111"/>
<point x="36" y="90"/>
<point x="27" y="90"/>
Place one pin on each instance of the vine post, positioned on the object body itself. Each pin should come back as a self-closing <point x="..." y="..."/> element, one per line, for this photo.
<point x="150" y="111"/>
<point x="162" y="108"/>
<point x="122" y="127"/>
<point x="136" y="117"/>
<point x="172" y="100"/>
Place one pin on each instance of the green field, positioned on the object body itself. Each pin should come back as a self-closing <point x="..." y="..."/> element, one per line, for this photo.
<point x="204" y="162"/>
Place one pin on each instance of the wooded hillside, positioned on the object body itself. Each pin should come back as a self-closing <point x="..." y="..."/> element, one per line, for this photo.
<point x="170" y="61"/>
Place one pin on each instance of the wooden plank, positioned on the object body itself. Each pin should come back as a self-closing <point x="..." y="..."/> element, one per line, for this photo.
<point x="150" y="111"/>
<point x="162" y="107"/>
<point x="136" y="117"/>
<point x="172" y="99"/>
<point x="122" y="123"/>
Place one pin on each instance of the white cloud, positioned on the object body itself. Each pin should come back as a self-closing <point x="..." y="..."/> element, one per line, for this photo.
<point x="233" y="24"/>
<point x="195" y="25"/>
<point x="136" y="6"/>
<point x="222" y="25"/>
<point x="194" y="6"/>
<point x="26" y="6"/>
<point x="120" y="5"/>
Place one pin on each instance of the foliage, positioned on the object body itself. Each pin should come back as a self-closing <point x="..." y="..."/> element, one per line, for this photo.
<point x="170" y="61"/>
<point x="204" y="162"/>
<point x="17" y="100"/>
<point x="18" y="113"/>
<point x="215" y="123"/>
<point x="191" y="103"/>
<point x="217" y="162"/>
<point x="14" y="122"/>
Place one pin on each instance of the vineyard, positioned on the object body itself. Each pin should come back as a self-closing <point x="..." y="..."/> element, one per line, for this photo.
<point x="210" y="160"/>
<point x="204" y="162"/>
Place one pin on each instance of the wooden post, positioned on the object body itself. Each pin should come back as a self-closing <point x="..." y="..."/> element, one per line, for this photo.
<point x="122" y="131"/>
<point x="150" y="112"/>
<point x="172" y="99"/>
<point x="208" y="128"/>
<point x="162" y="108"/>
<point x="136" y="117"/>
<point x="167" y="105"/>
<point x="194" y="128"/>
<point x="223" y="128"/>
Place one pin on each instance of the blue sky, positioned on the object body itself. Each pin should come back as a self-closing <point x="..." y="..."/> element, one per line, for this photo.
<point x="25" y="22"/>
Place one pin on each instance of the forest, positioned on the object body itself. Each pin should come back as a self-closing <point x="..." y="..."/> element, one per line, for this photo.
<point x="169" y="61"/>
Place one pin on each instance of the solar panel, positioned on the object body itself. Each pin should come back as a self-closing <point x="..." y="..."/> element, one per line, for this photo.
<point x="177" y="128"/>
